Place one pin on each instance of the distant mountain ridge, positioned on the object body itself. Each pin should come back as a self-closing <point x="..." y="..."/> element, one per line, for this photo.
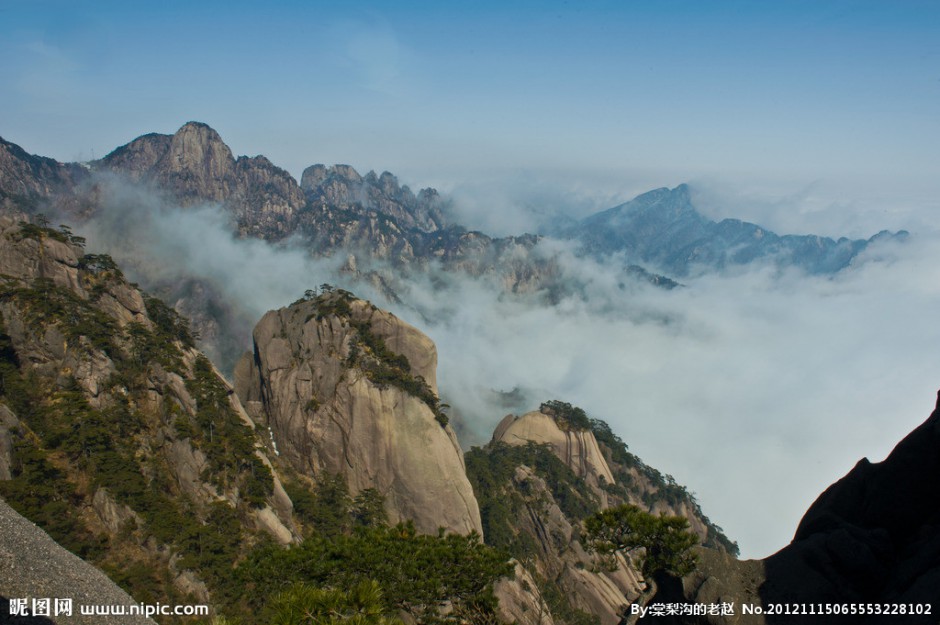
<point x="337" y="209"/>
<point x="661" y="228"/>
<point x="384" y="232"/>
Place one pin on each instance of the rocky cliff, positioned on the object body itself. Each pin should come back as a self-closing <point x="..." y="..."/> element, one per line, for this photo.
<point x="540" y="476"/>
<point x="613" y="473"/>
<point x="577" y="448"/>
<point x="194" y="166"/>
<point x="346" y="388"/>
<point x="117" y="436"/>
<point x="27" y="180"/>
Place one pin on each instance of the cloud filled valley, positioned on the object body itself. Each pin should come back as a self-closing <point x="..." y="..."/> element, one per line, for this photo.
<point x="756" y="386"/>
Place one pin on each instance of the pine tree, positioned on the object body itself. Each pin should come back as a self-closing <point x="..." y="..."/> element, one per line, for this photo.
<point x="660" y="545"/>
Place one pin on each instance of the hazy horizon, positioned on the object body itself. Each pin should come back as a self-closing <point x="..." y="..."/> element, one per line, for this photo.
<point x="838" y="95"/>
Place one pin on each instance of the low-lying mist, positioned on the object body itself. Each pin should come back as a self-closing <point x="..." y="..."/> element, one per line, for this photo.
<point x="756" y="389"/>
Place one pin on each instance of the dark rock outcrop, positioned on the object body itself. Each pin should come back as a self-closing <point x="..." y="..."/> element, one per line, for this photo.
<point x="873" y="536"/>
<point x="870" y="539"/>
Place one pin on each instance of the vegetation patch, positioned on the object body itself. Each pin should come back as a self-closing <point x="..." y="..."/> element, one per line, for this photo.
<point x="417" y="574"/>
<point x="227" y="442"/>
<point x="568" y="417"/>
<point x="44" y="303"/>
<point x="491" y="469"/>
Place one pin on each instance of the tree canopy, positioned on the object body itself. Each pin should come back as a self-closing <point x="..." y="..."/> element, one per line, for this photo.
<point x="666" y="541"/>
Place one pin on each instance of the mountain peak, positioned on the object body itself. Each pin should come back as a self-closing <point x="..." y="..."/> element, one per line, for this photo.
<point x="203" y="132"/>
<point x="679" y="196"/>
<point x="663" y="230"/>
<point x="194" y="125"/>
<point x="200" y="141"/>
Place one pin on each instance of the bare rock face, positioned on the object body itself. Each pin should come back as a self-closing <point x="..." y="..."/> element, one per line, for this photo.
<point x="48" y="258"/>
<point x="346" y="388"/>
<point x="342" y="186"/>
<point x="194" y="165"/>
<point x="561" y="557"/>
<point x="26" y="179"/>
<point x="577" y="448"/>
<point x="197" y="164"/>
<point x="520" y="601"/>
<point x="32" y="565"/>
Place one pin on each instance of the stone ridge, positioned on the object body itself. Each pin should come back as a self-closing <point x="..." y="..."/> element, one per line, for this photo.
<point x="332" y="209"/>
<point x="341" y="186"/>
<point x="337" y="208"/>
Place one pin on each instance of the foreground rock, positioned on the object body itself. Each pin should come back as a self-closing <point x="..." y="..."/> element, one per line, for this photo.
<point x="33" y="566"/>
<point x="873" y="536"/>
<point x="871" y="539"/>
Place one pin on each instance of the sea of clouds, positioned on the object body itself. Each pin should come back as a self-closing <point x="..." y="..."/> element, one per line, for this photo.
<point x="755" y="388"/>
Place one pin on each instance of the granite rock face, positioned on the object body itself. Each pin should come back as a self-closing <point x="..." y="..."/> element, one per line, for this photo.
<point x="349" y="389"/>
<point x="575" y="447"/>
<point x="33" y="566"/>
<point x="195" y="166"/>
<point x="561" y="557"/>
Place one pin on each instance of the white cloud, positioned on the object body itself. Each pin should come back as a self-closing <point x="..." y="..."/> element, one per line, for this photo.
<point x="756" y="390"/>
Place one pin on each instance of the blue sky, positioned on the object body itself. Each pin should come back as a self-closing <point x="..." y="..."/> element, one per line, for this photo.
<point x="647" y="93"/>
